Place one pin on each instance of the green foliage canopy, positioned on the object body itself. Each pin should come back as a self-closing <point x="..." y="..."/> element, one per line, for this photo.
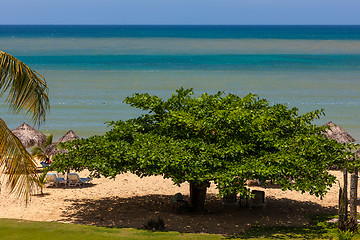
<point x="222" y="138"/>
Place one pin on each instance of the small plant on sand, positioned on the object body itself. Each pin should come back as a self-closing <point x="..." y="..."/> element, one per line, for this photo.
<point x="42" y="181"/>
<point x="255" y="224"/>
<point x="155" y="224"/>
<point x="345" y="235"/>
<point x="347" y="229"/>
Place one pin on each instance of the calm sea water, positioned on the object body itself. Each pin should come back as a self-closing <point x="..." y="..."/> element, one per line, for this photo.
<point x="91" y="69"/>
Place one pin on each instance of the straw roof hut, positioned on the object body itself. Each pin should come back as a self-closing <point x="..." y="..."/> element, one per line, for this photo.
<point x="52" y="149"/>
<point x="338" y="133"/>
<point x="29" y="136"/>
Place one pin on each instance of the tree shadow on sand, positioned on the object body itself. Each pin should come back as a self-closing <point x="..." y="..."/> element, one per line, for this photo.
<point x="136" y="211"/>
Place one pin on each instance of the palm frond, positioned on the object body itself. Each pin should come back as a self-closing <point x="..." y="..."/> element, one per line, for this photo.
<point x="26" y="88"/>
<point x="49" y="140"/>
<point x="38" y="153"/>
<point x="36" y="150"/>
<point x="17" y="164"/>
<point x="42" y="181"/>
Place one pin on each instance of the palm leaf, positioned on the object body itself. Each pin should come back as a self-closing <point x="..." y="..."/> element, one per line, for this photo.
<point x="26" y="88"/>
<point x="17" y="163"/>
<point x="49" y="140"/>
<point x="38" y="152"/>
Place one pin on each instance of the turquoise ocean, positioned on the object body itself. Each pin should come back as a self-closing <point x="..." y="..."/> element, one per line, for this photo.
<point x="91" y="69"/>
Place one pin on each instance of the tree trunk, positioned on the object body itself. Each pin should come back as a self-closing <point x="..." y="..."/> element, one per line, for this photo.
<point x="345" y="194"/>
<point x="343" y="205"/>
<point x="198" y="195"/>
<point x="353" y="195"/>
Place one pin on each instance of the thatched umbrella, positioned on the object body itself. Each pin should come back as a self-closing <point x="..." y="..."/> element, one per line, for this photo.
<point x="29" y="136"/>
<point x="52" y="149"/>
<point x="338" y="133"/>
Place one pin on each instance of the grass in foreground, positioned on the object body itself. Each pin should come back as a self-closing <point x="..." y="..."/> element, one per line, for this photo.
<point x="319" y="229"/>
<point x="26" y="230"/>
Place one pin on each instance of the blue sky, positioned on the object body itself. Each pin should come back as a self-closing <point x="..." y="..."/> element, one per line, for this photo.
<point x="180" y="12"/>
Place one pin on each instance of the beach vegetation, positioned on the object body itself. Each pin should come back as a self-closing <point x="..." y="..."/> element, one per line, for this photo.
<point x="42" y="181"/>
<point x="39" y="152"/>
<point x="347" y="228"/>
<point x="155" y="224"/>
<point x="221" y="139"/>
<point x="27" y="91"/>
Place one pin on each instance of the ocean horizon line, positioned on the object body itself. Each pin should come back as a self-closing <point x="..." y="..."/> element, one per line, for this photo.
<point x="135" y="24"/>
<point x="316" y="32"/>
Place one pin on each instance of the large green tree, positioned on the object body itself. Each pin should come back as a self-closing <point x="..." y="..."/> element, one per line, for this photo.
<point x="25" y="90"/>
<point x="221" y="138"/>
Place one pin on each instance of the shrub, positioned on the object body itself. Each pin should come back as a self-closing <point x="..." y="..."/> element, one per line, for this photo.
<point x="345" y="235"/>
<point x="349" y="225"/>
<point x="347" y="229"/>
<point x="155" y="224"/>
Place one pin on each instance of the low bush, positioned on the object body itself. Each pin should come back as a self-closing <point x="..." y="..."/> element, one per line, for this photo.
<point x="155" y="224"/>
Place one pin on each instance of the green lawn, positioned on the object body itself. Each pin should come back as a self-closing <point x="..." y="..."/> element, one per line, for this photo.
<point x="26" y="230"/>
<point x="319" y="229"/>
<point x="11" y="229"/>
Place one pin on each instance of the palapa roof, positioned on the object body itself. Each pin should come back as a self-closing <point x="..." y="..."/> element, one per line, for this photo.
<point x="29" y="136"/>
<point x="338" y="133"/>
<point x="52" y="149"/>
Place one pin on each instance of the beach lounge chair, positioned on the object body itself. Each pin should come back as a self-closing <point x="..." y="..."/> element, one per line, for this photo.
<point x="74" y="179"/>
<point x="258" y="200"/>
<point x="61" y="178"/>
<point x="243" y="201"/>
<point x="53" y="180"/>
<point x="230" y="200"/>
<point x="179" y="203"/>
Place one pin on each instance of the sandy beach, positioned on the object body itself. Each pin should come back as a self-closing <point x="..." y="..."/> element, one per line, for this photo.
<point x="129" y="201"/>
